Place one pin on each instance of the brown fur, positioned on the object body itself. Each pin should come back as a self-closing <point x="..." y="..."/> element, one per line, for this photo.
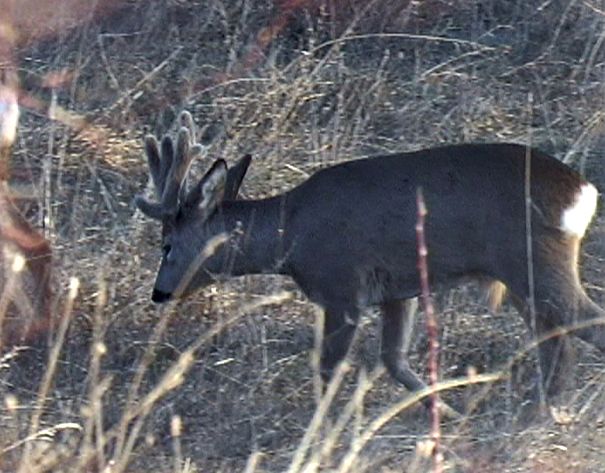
<point x="24" y="295"/>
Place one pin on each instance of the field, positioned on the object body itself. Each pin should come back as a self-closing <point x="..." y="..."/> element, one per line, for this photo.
<point x="225" y="380"/>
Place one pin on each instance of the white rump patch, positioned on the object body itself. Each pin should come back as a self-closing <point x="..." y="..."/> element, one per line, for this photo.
<point x="576" y="218"/>
<point x="9" y="116"/>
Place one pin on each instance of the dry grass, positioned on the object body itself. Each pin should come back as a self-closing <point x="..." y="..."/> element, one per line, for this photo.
<point x="223" y="381"/>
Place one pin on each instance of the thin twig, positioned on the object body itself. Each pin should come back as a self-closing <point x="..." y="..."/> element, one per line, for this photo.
<point x="49" y="372"/>
<point x="348" y="462"/>
<point x="131" y="92"/>
<point x="530" y="258"/>
<point x="127" y="432"/>
<point x="432" y="329"/>
<point x="318" y="417"/>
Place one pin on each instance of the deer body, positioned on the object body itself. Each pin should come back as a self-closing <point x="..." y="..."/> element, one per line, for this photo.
<point x="25" y="255"/>
<point x="347" y="237"/>
<point x="25" y="308"/>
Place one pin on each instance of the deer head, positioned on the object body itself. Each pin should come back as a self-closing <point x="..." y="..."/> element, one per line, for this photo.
<point x="188" y="215"/>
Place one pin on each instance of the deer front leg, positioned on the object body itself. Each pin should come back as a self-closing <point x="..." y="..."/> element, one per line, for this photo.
<point x="340" y="324"/>
<point x="397" y="326"/>
<point x="398" y="318"/>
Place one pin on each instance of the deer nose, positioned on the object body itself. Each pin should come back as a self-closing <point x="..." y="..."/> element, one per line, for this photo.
<point x="160" y="296"/>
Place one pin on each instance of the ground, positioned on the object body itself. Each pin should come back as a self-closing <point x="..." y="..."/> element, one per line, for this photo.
<point x="331" y="83"/>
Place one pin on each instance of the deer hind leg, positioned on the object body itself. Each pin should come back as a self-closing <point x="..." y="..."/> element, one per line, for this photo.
<point x="340" y="324"/>
<point x="594" y="333"/>
<point x="560" y="305"/>
<point x="557" y="358"/>
<point x="559" y="292"/>
<point x="555" y="352"/>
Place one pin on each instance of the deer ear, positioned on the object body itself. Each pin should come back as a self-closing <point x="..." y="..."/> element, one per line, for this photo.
<point x="235" y="176"/>
<point x="210" y="191"/>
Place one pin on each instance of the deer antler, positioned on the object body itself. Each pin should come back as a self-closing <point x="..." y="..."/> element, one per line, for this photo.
<point x="168" y="166"/>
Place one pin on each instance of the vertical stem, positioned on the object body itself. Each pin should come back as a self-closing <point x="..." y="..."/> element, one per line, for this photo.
<point x="530" y="258"/>
<point x="432" y="329"/>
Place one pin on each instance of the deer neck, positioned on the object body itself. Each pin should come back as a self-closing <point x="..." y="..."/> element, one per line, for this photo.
<point x="256" y="235"/>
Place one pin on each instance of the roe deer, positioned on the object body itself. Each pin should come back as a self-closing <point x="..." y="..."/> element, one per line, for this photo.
<point x="347" y="237"/>
<point x="25" y="283"/>
<point x="25" y="311"/>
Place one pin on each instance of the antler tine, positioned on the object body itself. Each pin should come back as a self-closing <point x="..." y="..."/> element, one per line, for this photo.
<point x="159" y="160"/>
<point x="154" y="163"/>
<point x="168" y="165"/>
<point x="156" y="160"/>
<point x="184" y="154"/>
<point x="187" y="122"/>
<point x="195" y="149"/>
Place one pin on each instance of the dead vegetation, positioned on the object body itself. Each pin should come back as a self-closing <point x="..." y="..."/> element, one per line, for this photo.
<point x="224" y="380"/>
